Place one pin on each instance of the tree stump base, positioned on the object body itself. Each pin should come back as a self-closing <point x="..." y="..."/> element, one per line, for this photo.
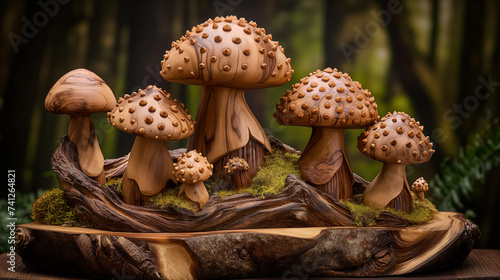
<point x="299" y="231"/>
<point x="284" y="252"/>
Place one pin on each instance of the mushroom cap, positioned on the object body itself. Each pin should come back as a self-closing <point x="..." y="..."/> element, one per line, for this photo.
<point x="327" y="98"/>
<point x="420" y="185"/>
<point x="192" y="167"/>
<point x="236" y="165"/>
<point x="152" y="114"/>
<point x="228" y="52"/>
<point x="79" y="92"/>
<point x="398" y="139"/>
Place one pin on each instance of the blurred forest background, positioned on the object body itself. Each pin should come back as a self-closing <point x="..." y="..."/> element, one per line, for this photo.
<point x="438" y="61"/>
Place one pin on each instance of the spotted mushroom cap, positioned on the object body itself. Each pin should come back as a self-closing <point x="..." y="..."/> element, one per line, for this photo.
<point x="229" y="52"/>
<point x="236" y="165"/>
<point x="152" y="114"/>
<point x="420" y="185"/>
<point x="327" y="98"/>
<point x="192" y="167"/>
<point x="398" y="139"/>
<point x="79" y="92"/>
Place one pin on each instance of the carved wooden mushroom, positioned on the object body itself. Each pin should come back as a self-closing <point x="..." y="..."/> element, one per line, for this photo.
<point x="396" y="140"/>
<point x="329" y="101"/>
<point x="237" y="169"/>
<point x="154" y="118"/>
<point x="191" y="170"/>
<point x="419" y="187"/>
<point x="227" y="56"/>
<point x="80" y="93"/>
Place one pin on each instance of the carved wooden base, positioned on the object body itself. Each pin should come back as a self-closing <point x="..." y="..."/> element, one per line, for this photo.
<point x="285" y="252"/>
<point x="299" y="230"/>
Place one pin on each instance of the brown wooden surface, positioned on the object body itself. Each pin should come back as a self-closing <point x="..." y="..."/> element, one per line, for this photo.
<point x="479" y="264"/>
<point x="228" y="254"/>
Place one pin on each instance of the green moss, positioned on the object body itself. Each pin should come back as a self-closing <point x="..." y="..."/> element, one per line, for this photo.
<point x="51" y="209"/>
<point x="115" y="184"/>
<point x="423" y="211"/>
<point x="270" y="179"/>
<point x="169" y="198"/>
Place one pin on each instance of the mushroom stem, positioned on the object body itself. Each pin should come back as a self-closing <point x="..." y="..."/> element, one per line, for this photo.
<point x="225" y="123"/>
<point x="324" y="162"/>
<point x="196" y="192"/>
<point x="81" y="131"/>
<point x="389" y="187"/>
<point x="420" y="196"/>
<point x="150" y="166"/>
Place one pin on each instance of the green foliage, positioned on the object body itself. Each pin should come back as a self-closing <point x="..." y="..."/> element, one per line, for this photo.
<point x="460" y="173"/>
<point x="169" y="198"/>
<point x="51" y="209"/>
<point x="22" y="213"/>
<point x="270" y="179"/>
<point x="366" y="216"/>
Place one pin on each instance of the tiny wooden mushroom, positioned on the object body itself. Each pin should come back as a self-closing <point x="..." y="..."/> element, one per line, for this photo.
<point x="154" y="118"/>
<point x="237" y="169"/>
<point x="80" y="93"/>
<point x="227" y="56"/>
<point x="191" y="170"/>
<point x="396" y="140"/>
<point x="419" y="187"/>
<point x="329" y="101"/>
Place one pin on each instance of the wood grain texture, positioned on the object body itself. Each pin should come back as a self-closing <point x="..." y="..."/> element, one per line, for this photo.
<point x="298" y="205"/>
<point x="324" y="162"/>
<point x="79" y="92"/>
<point x="323" y="251"/>
<point x="227" y="52"/>
<point x="82" y="132"/>
<point x="226" y="128"/>
<point x="389" y="187"/>
<point x="150" y="165"/>
<point x="480" y="264"/>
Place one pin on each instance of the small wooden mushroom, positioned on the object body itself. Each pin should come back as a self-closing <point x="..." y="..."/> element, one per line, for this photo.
<point x="192" y="169"/>
<point x="419" y="187"/>
<point x="80" y="93"/>
<point x="154" y="118"/>
<point x="227" y="56"/>
<point x="237" y="169"/>
<point x="396" y="140"/>
<point x="329" y="101"/>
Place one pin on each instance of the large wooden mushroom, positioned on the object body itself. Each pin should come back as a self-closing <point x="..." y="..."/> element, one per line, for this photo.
<point x="154" y="118"/>
<point x="227" y="56"/>
<point x="80" y="93"/>
<point x="396" y="140"/>
<point x="329" y="101"/>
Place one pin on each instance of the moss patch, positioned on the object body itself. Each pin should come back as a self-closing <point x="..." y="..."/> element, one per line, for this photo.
<point x="51" y="209"/>
<point x="115" y="184"/>
<point x="270" y="179"/>
<point x="365" y="216"/>
<point x="169" y="198"/>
